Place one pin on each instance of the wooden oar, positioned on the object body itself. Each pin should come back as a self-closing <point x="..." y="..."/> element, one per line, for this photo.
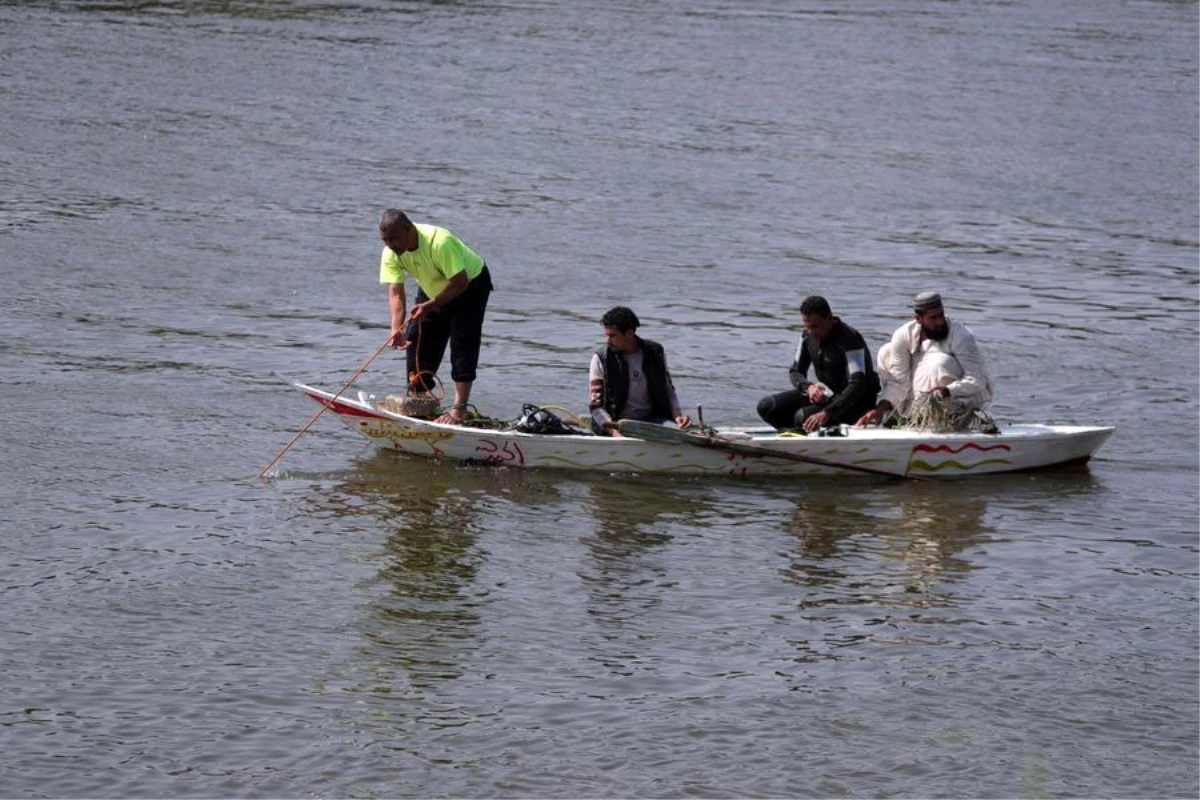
<point x="327" y="404"/>
<point x="653" y="432"/>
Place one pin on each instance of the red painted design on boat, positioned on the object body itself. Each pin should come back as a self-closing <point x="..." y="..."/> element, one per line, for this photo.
<point x="945" y="448"/>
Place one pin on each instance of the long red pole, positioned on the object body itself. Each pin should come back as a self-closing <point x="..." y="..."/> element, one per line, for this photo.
<point x="327" y="404"/>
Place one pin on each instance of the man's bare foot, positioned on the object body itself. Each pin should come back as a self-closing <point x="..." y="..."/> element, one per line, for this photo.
<point x="455" y="416"/>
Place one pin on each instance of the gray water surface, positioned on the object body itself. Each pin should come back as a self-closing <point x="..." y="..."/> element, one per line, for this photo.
<point x="188" y="200"/>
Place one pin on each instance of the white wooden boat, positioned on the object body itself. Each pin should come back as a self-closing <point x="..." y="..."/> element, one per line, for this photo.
<point x="742" y="452"/>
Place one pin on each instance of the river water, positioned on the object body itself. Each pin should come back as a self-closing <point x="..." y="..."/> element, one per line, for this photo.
<point x="188" y="196"/>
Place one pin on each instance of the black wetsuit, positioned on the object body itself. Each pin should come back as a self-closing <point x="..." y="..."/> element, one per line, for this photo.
<point x="842" y="362"/>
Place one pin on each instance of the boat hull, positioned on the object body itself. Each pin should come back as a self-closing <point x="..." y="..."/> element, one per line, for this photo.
<point x="902" y="453"/>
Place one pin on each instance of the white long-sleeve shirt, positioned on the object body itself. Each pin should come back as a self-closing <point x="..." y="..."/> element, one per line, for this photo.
<point x="910" y="364"/>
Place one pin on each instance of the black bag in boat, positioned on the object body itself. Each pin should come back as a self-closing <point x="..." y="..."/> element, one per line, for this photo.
<point x="535" y="419"/>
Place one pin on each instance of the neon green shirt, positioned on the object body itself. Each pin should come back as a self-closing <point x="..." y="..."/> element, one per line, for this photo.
<point x="440" y="255"/>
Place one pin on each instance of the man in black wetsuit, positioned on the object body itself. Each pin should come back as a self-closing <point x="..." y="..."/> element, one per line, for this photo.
<point x="846" y="384"/>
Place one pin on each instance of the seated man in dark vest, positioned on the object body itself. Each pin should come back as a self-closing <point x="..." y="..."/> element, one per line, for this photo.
<point x="846" y="384"/>
<point x="628" y="378"/>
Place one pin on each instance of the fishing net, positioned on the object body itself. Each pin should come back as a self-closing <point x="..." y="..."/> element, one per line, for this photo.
<point x="937" y="414"/>
<point x="932" y="412"/>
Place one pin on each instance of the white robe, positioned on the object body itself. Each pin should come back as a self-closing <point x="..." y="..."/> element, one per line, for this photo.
<point x="910" y="365"/>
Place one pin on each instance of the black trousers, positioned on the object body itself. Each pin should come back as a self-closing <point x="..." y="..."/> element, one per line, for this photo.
<point x="786" y="410"/>
<point x="459" y="323"/>
<point x="789" y="410"/>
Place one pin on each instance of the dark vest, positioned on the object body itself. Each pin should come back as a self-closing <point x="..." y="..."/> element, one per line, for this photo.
<point x="616" y="379"/>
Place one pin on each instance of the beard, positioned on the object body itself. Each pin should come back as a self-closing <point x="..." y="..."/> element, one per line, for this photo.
<point x="937" y="336"/>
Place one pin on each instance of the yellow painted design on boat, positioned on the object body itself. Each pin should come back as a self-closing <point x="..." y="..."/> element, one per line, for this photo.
<point x="405" y="433"/>
<point x="631" y="465"/>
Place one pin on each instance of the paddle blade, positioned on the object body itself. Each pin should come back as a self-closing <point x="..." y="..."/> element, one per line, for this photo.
<point x="652" y="432"/>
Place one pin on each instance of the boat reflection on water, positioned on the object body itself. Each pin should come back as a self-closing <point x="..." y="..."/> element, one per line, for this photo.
<point x="633" y="565"/>
<point x="916" y="534"/>
<point x="855" y="562"/>
<point x="627" y="547"/>
<point x="900" y="563"/>
<point x="425" y="596"/>
<point x="630" y="517"/>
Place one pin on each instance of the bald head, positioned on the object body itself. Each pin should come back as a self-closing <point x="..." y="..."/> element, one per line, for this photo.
<point x="394" y="222"/>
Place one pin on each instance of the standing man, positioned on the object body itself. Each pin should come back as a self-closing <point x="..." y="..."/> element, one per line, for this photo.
<point x="628" y="378"/>
<point x="931" y="354"/>
<point x="453" y="287"/>
<point x="846" y="384"/>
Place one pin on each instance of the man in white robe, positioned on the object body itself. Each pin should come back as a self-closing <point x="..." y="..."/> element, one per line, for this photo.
<point x="931" y="354"/>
